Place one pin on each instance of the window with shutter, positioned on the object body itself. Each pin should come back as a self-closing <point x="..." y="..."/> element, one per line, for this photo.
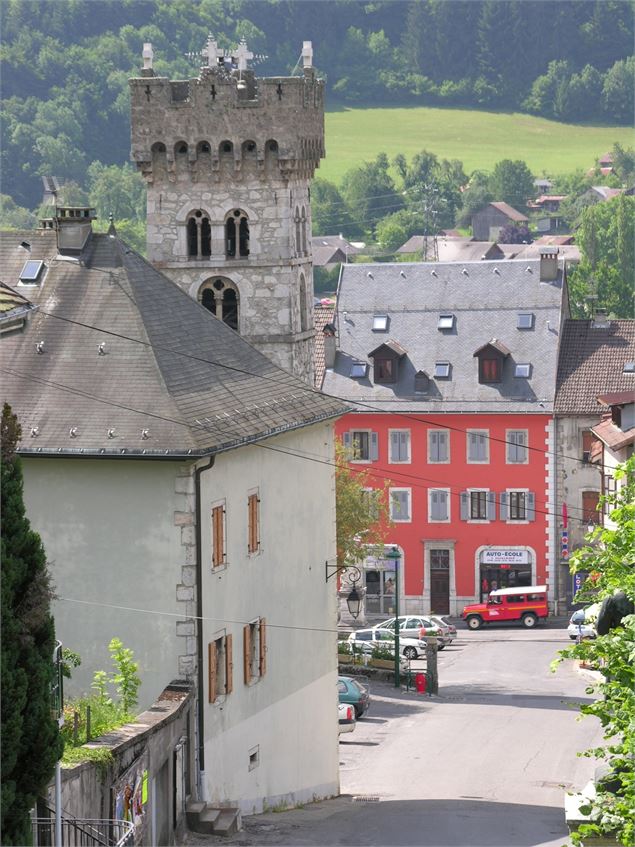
<point x="362" y="445"/>
<point x="400" y="504"/>
<point x="478" y="505"/>
<point x="253" y="515"/>
<point x="399" y="445"/>
<point x="247" y="646"/>
<point x="590" y="503"/>
<point x="218" y="536"/>
<point x="477" y="446"/>
<point x="517" y="505"/>
<point x="211" y="671"/>
<point x="229" y="665"/>
<point x="255" y="650"/>
<point x="439" y="504"/>
<point x="517" y="441"/>
<point x="438" y="446"/>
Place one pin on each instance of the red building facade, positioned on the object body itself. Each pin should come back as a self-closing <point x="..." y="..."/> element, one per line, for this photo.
<point x="469" y="500"/>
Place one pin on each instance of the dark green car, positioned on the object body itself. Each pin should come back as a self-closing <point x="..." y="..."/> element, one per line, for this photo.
<point x="354" y="692"/>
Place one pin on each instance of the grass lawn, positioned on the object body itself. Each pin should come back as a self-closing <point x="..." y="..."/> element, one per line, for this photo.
<point x="478" y="139"/>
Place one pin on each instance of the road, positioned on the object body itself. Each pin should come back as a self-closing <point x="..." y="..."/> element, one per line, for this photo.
<point x="487" y="762"/>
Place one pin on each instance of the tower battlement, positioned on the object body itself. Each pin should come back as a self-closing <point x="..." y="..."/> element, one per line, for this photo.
<point x="227" y="114"/>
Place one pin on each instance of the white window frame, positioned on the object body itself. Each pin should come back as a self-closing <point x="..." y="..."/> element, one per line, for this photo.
<point x="448" y="501"/>
<point x="470" y="519"/>
<point x="408" y="491"/>
<point x="511" y="491"/>
<point x="432" y="461"/>
<point x="356" y="460"/>
<point x="485" y="434"/>
<point x="408" y="459"/>
<point x="508" y="445"/>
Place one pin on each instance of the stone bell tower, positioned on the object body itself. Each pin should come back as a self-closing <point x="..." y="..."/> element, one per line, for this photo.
<point x="228" y="159"/>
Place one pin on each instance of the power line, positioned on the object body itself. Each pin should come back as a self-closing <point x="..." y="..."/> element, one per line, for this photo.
<point x="367" y="471"/>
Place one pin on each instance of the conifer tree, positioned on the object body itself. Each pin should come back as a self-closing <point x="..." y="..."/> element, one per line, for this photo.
<point x="31" y="743"/>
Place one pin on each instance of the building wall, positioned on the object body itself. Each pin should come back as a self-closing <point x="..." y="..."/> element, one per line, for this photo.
<point x="288" y="717"/>
<point x="574" y="477"/>
<point x="466" y="540"/>
<point x="113" y="533"/>
<point x="482" y="223"/>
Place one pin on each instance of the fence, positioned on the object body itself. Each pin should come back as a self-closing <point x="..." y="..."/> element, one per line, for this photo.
<point x="80" y="833"/>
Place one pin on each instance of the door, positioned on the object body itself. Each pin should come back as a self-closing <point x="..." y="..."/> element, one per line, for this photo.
<point x="440" y="582"/>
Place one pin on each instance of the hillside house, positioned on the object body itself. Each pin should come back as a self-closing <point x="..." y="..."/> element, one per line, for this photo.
<point x="488" y="222"/>
<point x="331" y="250"/>
<point x="451" y="370"/>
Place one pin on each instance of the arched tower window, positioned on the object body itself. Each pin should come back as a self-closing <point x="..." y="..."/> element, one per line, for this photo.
<point x="304" y="318"/>
<point x="249" y="150"/>
<point x="236" y="235"/>
<point x="220" y="296"/>
<point x="225" y="149"/>
<point x="203" y="148"/>
<point x="180" y="148"/>
<point x="199" y="235"/>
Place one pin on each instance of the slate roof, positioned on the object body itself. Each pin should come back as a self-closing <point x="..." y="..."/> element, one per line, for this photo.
<point x="508" y="211"/>
<point x="485" y="298"/>
<point x="452" y="249"/>
<point x="189" y="381"/>
<point x="322" y="315"/>
<point x="592" y="362"/>
<point x="569" y="252"/>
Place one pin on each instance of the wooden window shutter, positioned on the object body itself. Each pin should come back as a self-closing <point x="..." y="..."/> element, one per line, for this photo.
<point x="464" y="506"/>
<point x="229" y="666"/>
<point x="504" y="511"/>
<point x="247" y="653"/>
<point x="254" y="535"/>
<point x="262" y="658"/>
<point x="211" y="671"/>
<point x="531" y="506"/>
<point x="491" y="505"/>
<point x="218" y="536"/>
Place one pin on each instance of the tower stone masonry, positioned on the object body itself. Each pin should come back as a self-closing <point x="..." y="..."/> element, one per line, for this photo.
<point x="228" y="158"/>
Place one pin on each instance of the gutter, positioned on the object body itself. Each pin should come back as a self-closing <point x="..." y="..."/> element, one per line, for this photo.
<point x="202" y="788"/>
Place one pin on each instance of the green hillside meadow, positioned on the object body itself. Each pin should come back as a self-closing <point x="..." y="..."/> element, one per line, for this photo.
<point x="478" y="139"/>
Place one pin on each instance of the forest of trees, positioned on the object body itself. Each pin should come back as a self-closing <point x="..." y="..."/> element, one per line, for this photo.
<point x="66" y="65"/>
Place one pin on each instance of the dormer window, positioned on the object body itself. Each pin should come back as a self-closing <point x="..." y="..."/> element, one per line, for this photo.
<point x="358" y="370"/>
<point x="30" y="273"/>
<point x="525" y="320"/>
<point x="442" y="370"/>
<point x="380" y="323"/>
<point x="446" y="322"/>
<point x="491" y="358"/>
<point x="386" y="360"/>
<point x="422" y="382"/>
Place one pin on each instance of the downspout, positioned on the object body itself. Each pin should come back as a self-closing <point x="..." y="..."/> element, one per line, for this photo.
<point x="202" y="785"/>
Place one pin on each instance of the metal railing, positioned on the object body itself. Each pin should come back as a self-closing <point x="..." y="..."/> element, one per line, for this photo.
<point x="78" y="832"/>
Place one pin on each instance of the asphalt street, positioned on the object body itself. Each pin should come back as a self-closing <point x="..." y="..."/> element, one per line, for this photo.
<point x="487" y="762"/>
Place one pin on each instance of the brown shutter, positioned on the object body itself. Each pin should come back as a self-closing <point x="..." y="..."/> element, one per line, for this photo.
<point x="252" y="502"/>
<point x="247" y="653"/>
<point x="229" y="666"/>
<point x="211" y="671"/>
<point x="262" y="659"/>
<point x="218" y="532"/>
<point x="590" y="502"/>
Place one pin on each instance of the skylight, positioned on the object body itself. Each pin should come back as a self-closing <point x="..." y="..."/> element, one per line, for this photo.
<point x="525" y="320"/>
<point x="31" y="271"/>
<point x="446" y="322"/>
<point x="523" y="369"/>
<point x="442" y="370"/>
<point x="380" y="323"/>
<point x="358" y="370"/>
<point x="629" y="368"/>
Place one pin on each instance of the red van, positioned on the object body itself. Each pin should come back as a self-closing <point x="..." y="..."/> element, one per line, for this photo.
<point x="526" y="604"/>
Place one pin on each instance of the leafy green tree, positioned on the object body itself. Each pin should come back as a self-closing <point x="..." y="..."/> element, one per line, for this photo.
<point x="394" y="230"/>
<point x="549" y="88"/>
<point x="31" y="742"/>
<point x="118" y="190"/>
<point x="608" y="558"/>
<point x="126" y="677"/>
<point x="624" y="164"/>
<point x="13" y="216"/>
<point x="607" y="268"/>
<point x="362" y="510"/>
<point x="512" y="182"/>
<point x="618" y="92"/>
<point x="370" y="193"/>
<point x="477" y="194"/>
<point x="329" y="213"/>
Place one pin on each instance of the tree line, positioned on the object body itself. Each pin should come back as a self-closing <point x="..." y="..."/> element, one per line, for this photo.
<point x="66" y="65"/>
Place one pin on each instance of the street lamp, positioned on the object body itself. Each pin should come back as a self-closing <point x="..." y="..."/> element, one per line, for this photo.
<point x="353" y="601"/>
<point x="394" y="555"/>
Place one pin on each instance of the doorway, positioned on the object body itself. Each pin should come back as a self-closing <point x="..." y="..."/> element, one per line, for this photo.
<point x="440" y="582"/>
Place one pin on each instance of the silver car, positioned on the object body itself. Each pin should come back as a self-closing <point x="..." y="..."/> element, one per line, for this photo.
<point x="416" y="626"/>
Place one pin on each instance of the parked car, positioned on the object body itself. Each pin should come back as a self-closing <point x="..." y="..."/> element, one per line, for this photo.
<point x="582" y="623"/>
<point x="448" y="630"/>
<point x="525" y="604"/>
<point x="416" y="626"/>
<point x="411" y="648"/>
<point x="347" y="720"/>
<point x="355" y="693"/>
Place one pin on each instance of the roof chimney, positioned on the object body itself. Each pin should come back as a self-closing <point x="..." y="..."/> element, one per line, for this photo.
<point x="600" y="319"/>
<point x="74" y="228"/>
<point x="329" y="345"/>
<point x="548" y="264"/>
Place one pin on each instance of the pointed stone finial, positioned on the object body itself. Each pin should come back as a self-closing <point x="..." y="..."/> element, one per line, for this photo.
<point x="148" y="56"/>
<point x="243" y="55"/>
<point x="307" y="54"/>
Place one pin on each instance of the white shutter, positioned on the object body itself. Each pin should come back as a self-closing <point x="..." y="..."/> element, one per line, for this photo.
<point x="531" y="506"/>
<point x="491" y="505"/>
<point x="374" y="447"/>
<point x="434" y="446"/>
<point x="434" y="505"/>
<point x="464" y="505"/>
<point x="443" y="446"/>
<point x="504" y="511"/>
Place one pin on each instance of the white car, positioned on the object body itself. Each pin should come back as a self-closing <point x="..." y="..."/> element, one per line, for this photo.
<point x="582" y="623"/>
<point x="417" y="626"/>
<point x="346" y="714"/>
<point x="368" y="639"/>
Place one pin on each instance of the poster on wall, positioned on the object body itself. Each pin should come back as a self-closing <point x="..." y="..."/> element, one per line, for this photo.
<point x="130" y="797"/>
